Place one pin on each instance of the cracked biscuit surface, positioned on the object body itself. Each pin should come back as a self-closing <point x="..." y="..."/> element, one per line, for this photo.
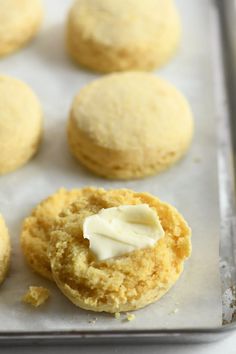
<point x="111" y="35"/>
<point x="124" y="283"/>
<point x="36" y="229"/>
<point x="129" y="125"/>
<point x="5" y="249"/>
<point x="19" y="22"/>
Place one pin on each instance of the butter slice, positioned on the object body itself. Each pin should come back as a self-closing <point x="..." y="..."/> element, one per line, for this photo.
<point x="120" y="230"/>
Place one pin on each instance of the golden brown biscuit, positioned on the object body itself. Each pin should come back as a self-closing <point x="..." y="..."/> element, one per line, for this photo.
<point x="124" y="283"/>
<point x="20" y="124"/>
<point x="5" y="249"/>
<point x="19" y="22"/>
<point x="111" y="35"/>
<point x="36" y="296"/>
<point x="36" y="229"/>
<point x="129" y="125"/>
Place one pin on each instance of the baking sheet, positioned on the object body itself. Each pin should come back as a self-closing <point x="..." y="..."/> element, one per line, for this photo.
<point x="191" y="185"/>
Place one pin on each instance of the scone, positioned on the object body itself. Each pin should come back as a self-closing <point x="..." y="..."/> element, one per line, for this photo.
<point x="36" y="229"/>
<point x="19" y="22"/>
<point x="129" y="281"/>
<point x="5" y="249"/>
<point x="118" y="35"/>
<point x="129" y="125"/>
<point x="20" y="124"/>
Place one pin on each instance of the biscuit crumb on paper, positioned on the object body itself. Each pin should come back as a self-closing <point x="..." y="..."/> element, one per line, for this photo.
<point x="130" y="316"/>
<point x="115" y="285"/>
<point x="36" y="296"/>
<point x="117" y="315"/>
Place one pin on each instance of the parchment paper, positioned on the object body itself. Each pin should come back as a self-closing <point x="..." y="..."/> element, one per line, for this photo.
<point x="191" y="185"/>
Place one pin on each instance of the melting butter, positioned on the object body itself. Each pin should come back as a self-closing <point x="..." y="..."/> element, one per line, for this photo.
<point x="120" y="230"/>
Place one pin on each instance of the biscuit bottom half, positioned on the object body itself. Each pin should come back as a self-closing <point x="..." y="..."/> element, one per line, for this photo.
<point x="124" y="283"/>
<point x="129" y="125"/>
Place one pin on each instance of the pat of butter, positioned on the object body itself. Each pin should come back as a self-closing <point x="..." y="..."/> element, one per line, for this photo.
<point x="119" y="230"/>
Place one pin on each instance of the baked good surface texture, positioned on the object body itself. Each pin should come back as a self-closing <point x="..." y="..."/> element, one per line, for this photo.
<point x="19" y="22"/>
<point x="36" y="296"/>
<point x="111" y="35"/>
<point x="129" y="125"/>
<point x="35" y="234"/>
<point x="5" y="249"/>
<point x="123" y="283"/>
<point x="20" y="123"/>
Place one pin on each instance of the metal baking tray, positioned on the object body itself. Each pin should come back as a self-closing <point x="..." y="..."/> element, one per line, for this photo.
<point x="223" y="18"/>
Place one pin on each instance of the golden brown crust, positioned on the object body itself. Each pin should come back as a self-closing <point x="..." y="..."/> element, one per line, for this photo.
<point x="129" y="125"/>
<point x="36" y="230"/>
<point x="20" y="124"/>
<point x="36" y="296"/>
<point x="125" y="283"/>
<point x="19" y="23"/>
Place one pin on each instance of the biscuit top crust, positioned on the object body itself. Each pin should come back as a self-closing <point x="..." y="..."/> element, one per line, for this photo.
<point x="120" y="23"/>
<point x="36" y="229"/>
<point x="20" y="113"/>
<point x="116" y="231"/>
<point x="17" y="13"/>
<point x="132" y="110"/>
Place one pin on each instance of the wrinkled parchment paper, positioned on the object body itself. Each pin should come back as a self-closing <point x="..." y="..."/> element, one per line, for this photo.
<point x="191" y="185"/>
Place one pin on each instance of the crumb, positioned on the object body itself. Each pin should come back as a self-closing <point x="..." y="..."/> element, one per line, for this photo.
<point x="117" y="315"/>
<point x="36" y="296"/>
<point x="93" y="321"/>
<point x="130" y="316"/>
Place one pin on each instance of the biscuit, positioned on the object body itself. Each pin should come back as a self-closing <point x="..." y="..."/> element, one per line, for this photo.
<point x="124" y="283"/>
<point x="20" y="124"/>
<point x="129" y="125"/>
<point x="5" y="249"/>
<point x="111" y="35"/>
<point x="36" y="228"/>
<point x="19" y="22"/>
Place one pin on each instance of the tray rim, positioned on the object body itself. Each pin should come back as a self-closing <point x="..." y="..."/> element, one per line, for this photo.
<point x="101" y="336"/>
